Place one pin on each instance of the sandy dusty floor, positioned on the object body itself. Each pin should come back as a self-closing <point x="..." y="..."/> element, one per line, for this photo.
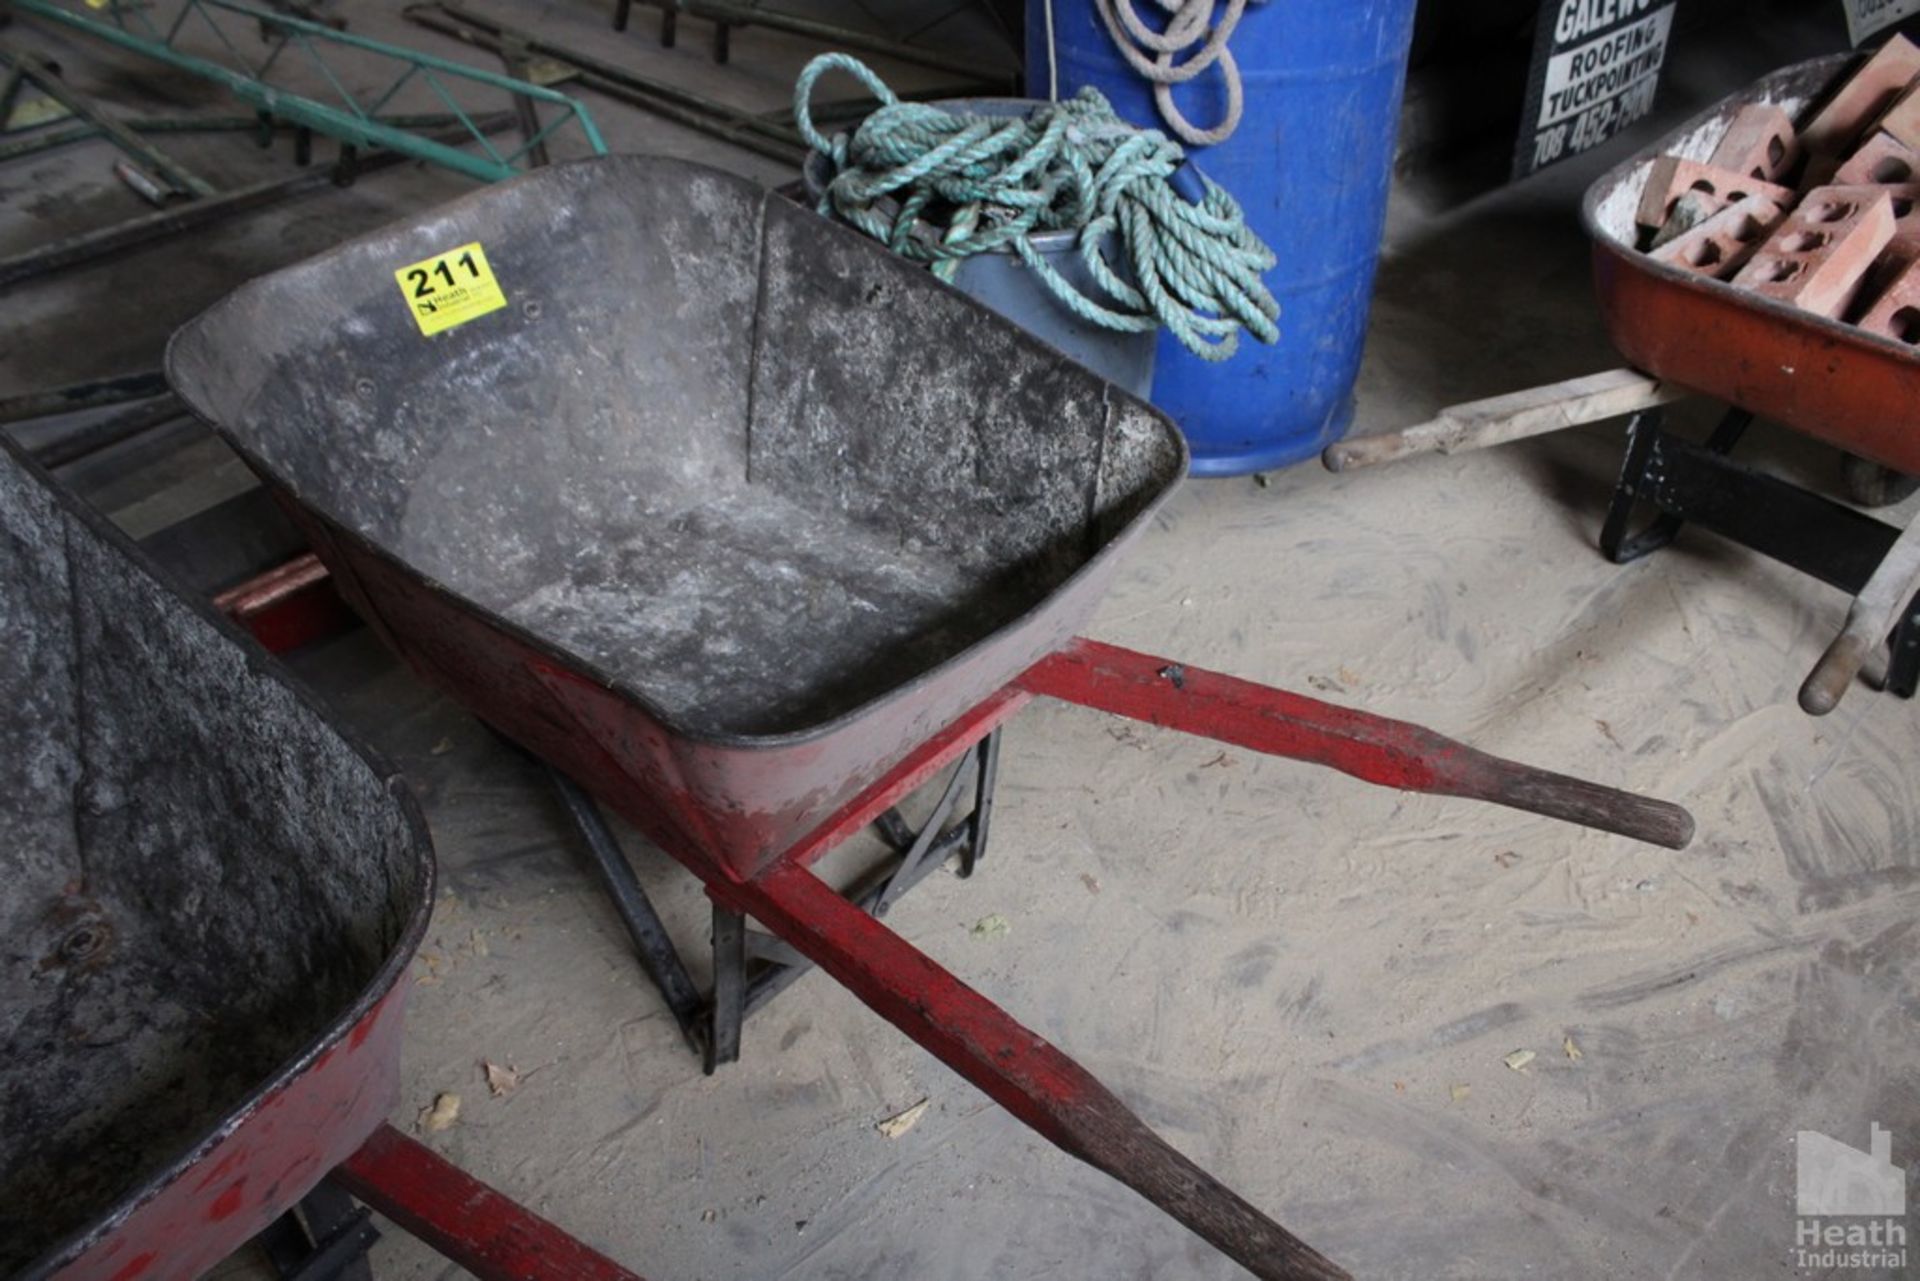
<point x="1309" y="984"/>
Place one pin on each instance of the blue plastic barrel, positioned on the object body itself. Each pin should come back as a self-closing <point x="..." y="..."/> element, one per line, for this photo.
<point x="1310" y="163"/>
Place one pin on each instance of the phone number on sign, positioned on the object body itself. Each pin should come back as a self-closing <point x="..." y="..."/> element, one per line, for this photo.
<point x="1594" y="125"/>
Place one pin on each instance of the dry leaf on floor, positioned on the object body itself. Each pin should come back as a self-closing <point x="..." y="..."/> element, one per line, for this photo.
<point x="1092" y="882"/>
<point x="442" y="747"/>
<point x="1460" y="1090"/>
<point x="1506" y="858"/>
<point x="899" y="1123"/>
<point x="1573" y="1051"/>
<point x="1519" y="1059"/>
<point x="991" y="926"/>
<point x="444" y="1112"/>
<point x="501" y="1081"/>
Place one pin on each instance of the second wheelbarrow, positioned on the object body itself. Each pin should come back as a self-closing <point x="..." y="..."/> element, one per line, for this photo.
<point x="749" y="527"/>
<point x="209" y="898"/>
<point x="1688" y="331"/>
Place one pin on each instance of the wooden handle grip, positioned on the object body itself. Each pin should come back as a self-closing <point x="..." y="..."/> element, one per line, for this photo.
<point x="1833" y="675"/>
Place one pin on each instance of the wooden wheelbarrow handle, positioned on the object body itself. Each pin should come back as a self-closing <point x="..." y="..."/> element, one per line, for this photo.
<point x="1873" y="614"/>
<point x="1536" y="411"/>
<point x="1375" y="748"/>
<point x="1015" y="1066"/>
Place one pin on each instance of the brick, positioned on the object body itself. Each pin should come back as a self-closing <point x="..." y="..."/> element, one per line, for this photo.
<point x="1816" y="257"/>
<point x="1896" y="314"/>
<point x="1863" y="98"/>
<point x="1903" y="119"/>
<point x="1673" y="177"/>
<point x="1905" y="199"/>
<point x="1882" y="158"/>
<point x="1720" y="245"/>
<point x="1759" y="143"/>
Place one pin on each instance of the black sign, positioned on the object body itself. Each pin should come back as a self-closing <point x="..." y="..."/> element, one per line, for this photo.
<point x="1596" y="65"/>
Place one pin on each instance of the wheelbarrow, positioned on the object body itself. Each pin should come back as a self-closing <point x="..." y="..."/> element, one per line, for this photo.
<point x="1833" y="381"/>
<point x="1684" y="333"/>
<point x="749" y="527"/>
<point x="209" y="896"/>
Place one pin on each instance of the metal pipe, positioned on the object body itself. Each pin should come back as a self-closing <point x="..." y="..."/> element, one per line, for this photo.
<point x="725" y="14"/>
<point x="52" y="139"/>
<point x="35" y="69"/>
<point x="89" y="245"/>
<point x="95" y="393"/>
<point x="118" y="429"/>
<point x="513" y="54"/>
<point x="741" y="128"/>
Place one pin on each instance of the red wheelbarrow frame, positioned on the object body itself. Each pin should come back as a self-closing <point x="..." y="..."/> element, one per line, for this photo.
<point x="568" y="719"/>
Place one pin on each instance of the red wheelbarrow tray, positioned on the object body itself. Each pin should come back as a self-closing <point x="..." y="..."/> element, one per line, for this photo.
<point x="1846" y="386"/>
<point x="749" y="526"/>
<point x="208" y="892"/>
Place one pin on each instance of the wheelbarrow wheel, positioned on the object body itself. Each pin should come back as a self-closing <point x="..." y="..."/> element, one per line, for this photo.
<point x="1872" y="485"/>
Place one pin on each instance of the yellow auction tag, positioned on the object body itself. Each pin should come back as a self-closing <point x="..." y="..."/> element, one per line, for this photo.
<point x="450" y="289"/>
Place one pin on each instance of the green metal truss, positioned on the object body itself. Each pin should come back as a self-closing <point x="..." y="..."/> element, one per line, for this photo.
<point x="290" y="43"/>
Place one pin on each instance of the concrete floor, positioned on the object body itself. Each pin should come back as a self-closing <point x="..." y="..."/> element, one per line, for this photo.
<point x="1308" y="984"/>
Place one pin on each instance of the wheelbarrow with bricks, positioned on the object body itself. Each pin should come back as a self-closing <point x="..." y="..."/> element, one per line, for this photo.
<point x="749" y="528"/>
<point x="210" y="899"/>
<point x="1762" y="254"/>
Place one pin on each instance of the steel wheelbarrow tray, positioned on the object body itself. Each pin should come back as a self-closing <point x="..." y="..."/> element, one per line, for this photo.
<point x="209" y="894"/>
<point x="747" y="526"/>
<point x="1831" y="380"/>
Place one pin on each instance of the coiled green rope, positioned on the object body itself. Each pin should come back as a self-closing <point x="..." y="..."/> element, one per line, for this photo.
<point x="936" y="187"/>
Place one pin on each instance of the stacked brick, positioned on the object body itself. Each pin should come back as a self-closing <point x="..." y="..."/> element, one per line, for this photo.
<point x="1825" y="216"/>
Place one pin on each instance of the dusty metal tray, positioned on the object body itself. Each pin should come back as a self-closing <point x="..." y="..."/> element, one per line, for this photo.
<point x="797" y="502"/>
<point x="207" y="895"/>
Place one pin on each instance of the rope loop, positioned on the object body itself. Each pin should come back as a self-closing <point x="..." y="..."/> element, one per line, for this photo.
<point x="937" y="187"/>
<point x="1157" y="57"/>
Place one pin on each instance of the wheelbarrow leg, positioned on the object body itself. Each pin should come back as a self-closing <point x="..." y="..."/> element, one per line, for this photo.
<point x="729" y="1008"/>
<point x="651" y="942"/>
<point x="1903" y="657"/>
<point x="1023" y="1073"/>
<point x="1389" y="752"/>
<point x="325" y="1239"/>
<point x="1643" y="436"/>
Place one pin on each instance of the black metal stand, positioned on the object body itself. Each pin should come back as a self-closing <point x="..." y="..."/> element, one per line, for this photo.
<point x="751" y="967"/>
<point x="1685" y="482"/>
<point x="324" y="1238"/>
